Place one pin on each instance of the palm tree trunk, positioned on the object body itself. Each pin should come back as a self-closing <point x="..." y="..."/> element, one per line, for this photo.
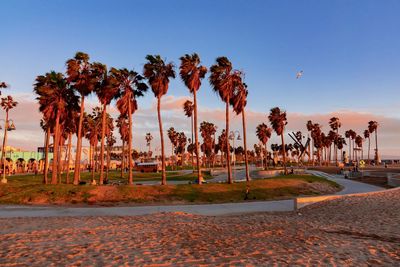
<point x="108" y="163"/>
<point x="69" y="156"/>
<point x="284" y="153"/>
<point x="245" y="145"/>
<point x="93" y="163"/>
<point x="103" y="133"/>
<point x="228" y="155"/>
<point x="266" y="157"/>
<point x="191" y="121"/>
<point x="3" y="151"/>
<point x="196" y="137"/>
<point x="130" y="179"/>
<point x="46" y="157"/>
<point x="59" y="165"/>
<point x="79" y="144"/>
<point x="122" y="159"/>
<point x="349" y="150"/>
<point x="55" y="149"/>
<point x="163" y="174"/>
<point x="376" y="145"/>
<point x="90" y="158"/>
<point x="369" y="148"/>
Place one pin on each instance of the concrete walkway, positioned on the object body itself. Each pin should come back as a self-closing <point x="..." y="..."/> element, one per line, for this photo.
<point x="350" y="187"/>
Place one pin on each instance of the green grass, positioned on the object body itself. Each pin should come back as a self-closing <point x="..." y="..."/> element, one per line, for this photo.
<point x="30" y="190"/>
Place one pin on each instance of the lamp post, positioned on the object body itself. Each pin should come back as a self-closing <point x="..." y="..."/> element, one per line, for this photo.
<point x="232" y="136"/>
<point x="7" y="127"/>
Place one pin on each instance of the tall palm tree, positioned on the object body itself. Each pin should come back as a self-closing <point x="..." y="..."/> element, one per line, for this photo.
<point x="192" y="73"/>
<point x="353" y="136"/>
<point x="55" y="97"/>
<point x="7" y="103"/>
<point x="223" y="80"/>
<point x="239" y="102"/>
<point x="367" y="135"/>
<point x="158" y="74"/>
<point x="91" y="125"/>
<point x="131" y="86"/>
<point x="70" y="128"/>
<point x="347" y="134"/>
<point x="335" y="124"/>
<point x="188" y="108"/>
<point x="110" y="143"/>
<point x="106" y="90"/>
<point x="263" y="133"/>
<point x="122" y="125"/>
<point x="83" y="80"/>
<point x="278" y="122"/>
<point x="373" y="127"/>
<point x="310" y="126"/>
<point x="45" y="125"/>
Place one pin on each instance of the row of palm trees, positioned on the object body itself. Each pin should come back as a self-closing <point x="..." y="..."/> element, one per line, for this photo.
<point x="320" y="142"/>
<point x="62" y="97"/>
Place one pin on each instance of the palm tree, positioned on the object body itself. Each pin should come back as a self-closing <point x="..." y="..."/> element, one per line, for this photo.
<point x="347" y="134"/>
<point x="310" y="126"/>
<point x="341" y="141"/>
<point x="158" y="74"/>
<point x="131" y="86"/>
<point x="7" y="103"/>
<point x="192" y="73"/>
<point x="188" y="108"/>
<point x="55" y="97"/>
<point x="149" y="138"/>
<point x="83" y="80"/>
<point x="373" y="127"/>
<point x="223" y="80"/>
<point x="173" y="137"/>
<point x="91" y="125"/>
<point x="44" y="124"/>
<point x="123" y="128"/>
<point x="239" y="102"/>
<point x="110" y="143"/>
<point x="207" y="131"/>
<point x="263" y="133"/>
<point x="278" y="122"/>
<point x="70" y="128"/>
<point x="335" y="124"/>
<point x="359" y="141"/>
<point x="367" y="135"/>
<point x="106" y="90"/>
<point x="353" y="136"/>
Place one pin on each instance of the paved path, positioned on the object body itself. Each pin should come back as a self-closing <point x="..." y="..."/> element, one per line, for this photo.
<point x="205" y="209"/>
<point x="349" y="186"/>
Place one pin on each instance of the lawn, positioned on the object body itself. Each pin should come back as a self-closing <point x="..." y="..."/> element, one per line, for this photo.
<point x="29" y="190"/>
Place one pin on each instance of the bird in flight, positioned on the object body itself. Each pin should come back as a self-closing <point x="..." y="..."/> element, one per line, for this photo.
<point x="299" y="74"/>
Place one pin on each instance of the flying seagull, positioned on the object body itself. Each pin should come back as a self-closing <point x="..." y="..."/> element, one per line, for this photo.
<point x="299" y="74"/>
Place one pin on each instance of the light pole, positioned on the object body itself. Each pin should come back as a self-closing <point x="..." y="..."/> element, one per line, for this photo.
<point x="232" y="136"/>
<point x="7" y="127"/>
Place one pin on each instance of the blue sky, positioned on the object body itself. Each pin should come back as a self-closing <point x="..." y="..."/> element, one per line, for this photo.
<point x="349" y="50"/>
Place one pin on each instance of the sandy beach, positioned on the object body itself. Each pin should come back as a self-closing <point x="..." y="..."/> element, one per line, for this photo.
<point x="352" y="231"/>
